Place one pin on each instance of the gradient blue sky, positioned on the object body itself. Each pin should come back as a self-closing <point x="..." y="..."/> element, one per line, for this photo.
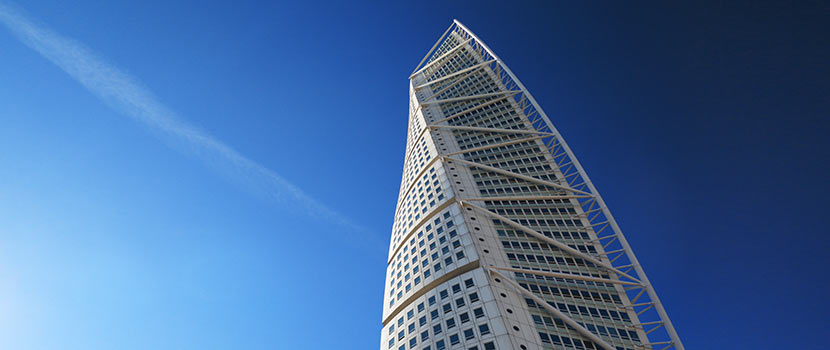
<point x="704" y="126"/>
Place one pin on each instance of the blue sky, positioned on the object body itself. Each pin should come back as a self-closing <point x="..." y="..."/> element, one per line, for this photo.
<point x="702" y="125"/>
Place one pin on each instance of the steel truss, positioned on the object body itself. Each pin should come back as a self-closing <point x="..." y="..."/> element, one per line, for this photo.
<point x="615" y="255"/>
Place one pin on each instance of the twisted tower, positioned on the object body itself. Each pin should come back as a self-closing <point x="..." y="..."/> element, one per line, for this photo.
<point x="500" y="240"/>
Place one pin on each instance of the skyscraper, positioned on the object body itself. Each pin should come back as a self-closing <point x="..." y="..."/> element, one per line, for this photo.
<point x="500" y="240"/>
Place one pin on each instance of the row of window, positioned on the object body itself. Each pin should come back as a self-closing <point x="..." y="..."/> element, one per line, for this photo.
<point x="427" y="232"/>
<point x="426" y="194"/>
<point x="571" y="343"/>
<point x="560" y="291"/>
<point x="475" y="84"/>
<point x="507" y="231"/>
<point x="589" y="312"/>
<point x="484" y="114"/>
<point x="505" y="151"/>
<point x="412" y="137"/>
<point x="567" y="342"/>
<point x="414" y="161"/>
<point x="416" y="204"/>
<point x="507" y="120"/>
<point x="434" y="299"/>
<point x="503" y="184"/>
<point x="426" y="273"/>
<point x="537" y="211"/>
<point x="471" y="139"/>
<point x="487" y="114"/>
<point x="532" y="203"/>
<point x="541" y="172"/>
<point x="544" y="247"/>
<point x="449" y="109"/>
<point x="442" y="345"/>
<point x="454" y="339"/>
<point x="450" y="42"/>
<point x="558" y="235"/>
<point x="460" y="60"/>
<point x="525" y="153"/>
<point x="544" y="259"/>
<point x="561" y="281"/>
<point x="434" y="250"/>
<point x="549" y="222"/>
<point x="450" y="311"/>
<point x="453" y="63"/>
<point x="514" y="164"/>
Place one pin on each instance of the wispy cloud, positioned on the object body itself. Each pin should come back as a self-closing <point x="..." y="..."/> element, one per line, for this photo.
<point x="125" y="94"/>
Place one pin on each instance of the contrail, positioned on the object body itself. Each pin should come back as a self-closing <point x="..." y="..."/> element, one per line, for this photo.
<point x="123" y="92"/>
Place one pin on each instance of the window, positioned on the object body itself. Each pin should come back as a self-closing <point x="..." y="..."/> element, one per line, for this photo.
<point x="413" y="342"/>
<point x="464" y="317"/>
<point x="473" y="297"/>
<point x="422" y="321"/>
<point x="436" y="329"/>
<point x="439" y="345"/>
<point x="450" y="323"/>
<point x="447" y="307"/>
<point x="454" y="339"/>
<point x="456" y="288"/>
<point x="469" y="283"/>
<point x="391" y="342"/>
<point x="401" y="335"/>
<point x="484" y="329"/>
<point x="433" y="314"/>
<point x="469" y="334"/>
<point x="478" y="312"/>
<point x="489" y="346"/>
<point x="424" y="335"/>
<point x="459" y="302"/>
<point x="444" y="294"/>
<point x="431" y="299"/>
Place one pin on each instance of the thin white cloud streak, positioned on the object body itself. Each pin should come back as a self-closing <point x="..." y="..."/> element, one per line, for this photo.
<point x="123" y="92"/>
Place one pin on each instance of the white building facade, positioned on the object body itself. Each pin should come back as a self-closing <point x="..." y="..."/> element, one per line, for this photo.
<point x="500" y="240"/>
